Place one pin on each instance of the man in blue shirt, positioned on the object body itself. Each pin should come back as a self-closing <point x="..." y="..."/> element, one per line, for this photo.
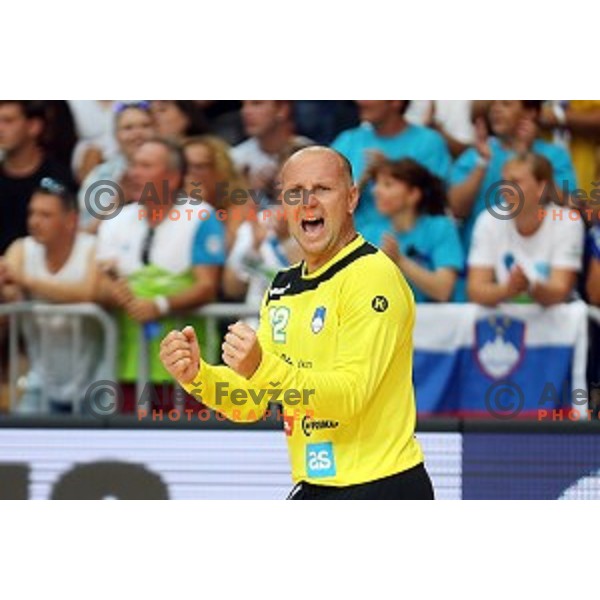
<point x="385" y="130"/>
<point x="513" y="123"/>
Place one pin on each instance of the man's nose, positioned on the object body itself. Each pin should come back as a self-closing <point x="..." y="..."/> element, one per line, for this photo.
<point x="311" y="200"/>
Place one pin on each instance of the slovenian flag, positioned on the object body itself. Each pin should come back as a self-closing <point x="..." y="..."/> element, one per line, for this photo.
<point x="475" y="361"/>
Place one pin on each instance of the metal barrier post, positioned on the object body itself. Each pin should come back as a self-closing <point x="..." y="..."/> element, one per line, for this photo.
<point x="143" y="371"/>
<point x="13" y="357"/>
<point x="212" y="339"/>
<point x="77" y="401"/>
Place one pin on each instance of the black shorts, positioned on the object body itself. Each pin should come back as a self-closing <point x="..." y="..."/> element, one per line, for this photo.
<point x="413" y="484"/>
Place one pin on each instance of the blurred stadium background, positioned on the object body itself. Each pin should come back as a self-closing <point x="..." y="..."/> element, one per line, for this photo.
<point x="508" y="383"/>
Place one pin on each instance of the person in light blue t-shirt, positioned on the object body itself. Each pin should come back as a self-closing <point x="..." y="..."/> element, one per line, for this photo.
<point x="385" y="130"/>
<point x="416" y="233"/>
<point x="478" y="170"/>
<point x="209" y="243"/>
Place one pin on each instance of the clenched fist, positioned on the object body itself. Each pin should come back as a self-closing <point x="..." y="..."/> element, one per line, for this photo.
<point x="241" y="349"/>
<point x="180" y="354"/>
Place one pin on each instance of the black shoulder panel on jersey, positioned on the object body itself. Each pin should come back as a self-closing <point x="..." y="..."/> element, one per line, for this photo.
<point x="290" y="282"/>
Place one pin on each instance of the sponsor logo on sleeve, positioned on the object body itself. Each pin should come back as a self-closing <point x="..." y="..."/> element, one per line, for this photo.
<point x="380" y="304"/>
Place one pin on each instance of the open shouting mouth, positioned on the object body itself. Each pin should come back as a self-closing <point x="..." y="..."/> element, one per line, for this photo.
<point x="313" y="226"/>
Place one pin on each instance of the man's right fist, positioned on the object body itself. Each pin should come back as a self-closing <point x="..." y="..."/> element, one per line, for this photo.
<point x="180" y="354"/>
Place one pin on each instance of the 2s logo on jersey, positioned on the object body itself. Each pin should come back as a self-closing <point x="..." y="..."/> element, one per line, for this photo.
<point x="320" y="460"/>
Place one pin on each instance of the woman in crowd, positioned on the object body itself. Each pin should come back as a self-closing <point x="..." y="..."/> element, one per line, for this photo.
<point x="177" y="119"/>
<point x="133" y="125"/>
<point x="414" y="230"/>
<point x="212" y="175"/>
<point x="534" y="257"/>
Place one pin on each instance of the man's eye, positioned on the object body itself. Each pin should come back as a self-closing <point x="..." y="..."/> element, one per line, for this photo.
<point x="322" y="188"/>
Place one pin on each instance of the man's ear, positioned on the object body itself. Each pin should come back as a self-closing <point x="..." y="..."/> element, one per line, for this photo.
<point x="354" y="198"/>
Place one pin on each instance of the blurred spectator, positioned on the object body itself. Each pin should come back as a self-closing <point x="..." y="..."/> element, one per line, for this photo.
<point x="212" y="175"/>
<point x="533" y="257"/>
<point x="270" y="127"/>
<point x="161" y="256"/>
<point x="593" y="297"/>
<point x="323" y="120"/>
<point x="480" y="109"/>
<point x="25" y="164"/>
<point x="514" y="129"/>
<point x="224" y="119"/>
<point x="133" y="126"/>
<point x="577" y="122"/>
<point x="263" y="246"/>
<point x="94" y="126"/>
<point x="55" y="263"/>
<point x="384" y="129"/>
<point x="593" y="276"/>
<point x="418" y="237"/>
<point x="5" y="281"/>
<point x="60" y="137"/>
<point x="451" y="118"/>
<point x="177" y="119"/>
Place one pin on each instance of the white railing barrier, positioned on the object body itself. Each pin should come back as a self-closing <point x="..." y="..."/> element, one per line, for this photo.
<point x="17" y="310"/>
<point x="212" y="313"/>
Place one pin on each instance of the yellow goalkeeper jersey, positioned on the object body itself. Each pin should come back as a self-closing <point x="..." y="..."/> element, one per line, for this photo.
<point x="337" y="353"/>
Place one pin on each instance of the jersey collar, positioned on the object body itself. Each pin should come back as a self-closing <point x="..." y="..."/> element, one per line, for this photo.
<point x="347" y="249"/>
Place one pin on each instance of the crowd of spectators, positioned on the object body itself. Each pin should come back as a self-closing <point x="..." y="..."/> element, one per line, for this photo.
<point x="431" y="175"/>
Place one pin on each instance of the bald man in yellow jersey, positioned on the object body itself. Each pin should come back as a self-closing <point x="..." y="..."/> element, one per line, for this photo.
<point x="335" y="335"/>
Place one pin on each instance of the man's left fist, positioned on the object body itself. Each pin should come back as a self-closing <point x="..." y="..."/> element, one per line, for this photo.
<point x="241" y="349"/>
